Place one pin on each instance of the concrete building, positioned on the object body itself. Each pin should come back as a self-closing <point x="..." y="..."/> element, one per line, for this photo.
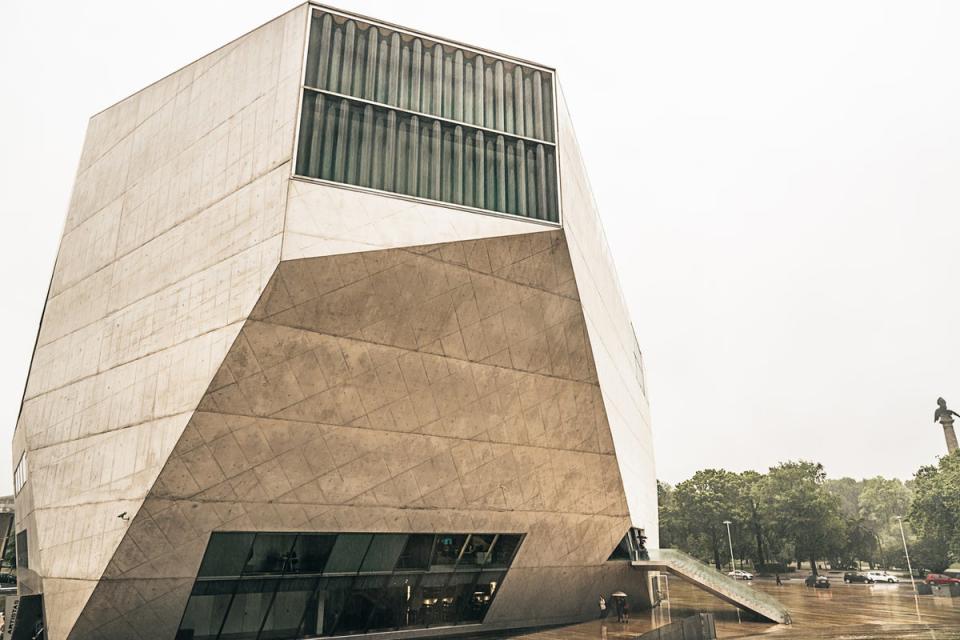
<point x="334" y="344"/>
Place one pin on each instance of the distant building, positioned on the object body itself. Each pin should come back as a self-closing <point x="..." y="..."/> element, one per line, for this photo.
<point x="334" y="345"/>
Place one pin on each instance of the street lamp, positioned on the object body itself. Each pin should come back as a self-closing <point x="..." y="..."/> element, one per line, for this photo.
<point x="903" y="537"/>
<point x="733" y="566"/>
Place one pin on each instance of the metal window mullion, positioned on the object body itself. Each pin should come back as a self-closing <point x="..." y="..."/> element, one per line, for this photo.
<point x="303" y="616"/>
<point x="433" y="38"/>
<point x="226" y="612"/>
<point x="440" y="118"/>
<point x="353" y="584"/>
<point x="279" y="579"/>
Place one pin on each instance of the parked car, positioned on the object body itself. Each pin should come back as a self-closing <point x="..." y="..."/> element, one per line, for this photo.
<point x="817" y="582"/>
<point x="739" y="574"/>
<point x="881" y="576"/>
<point x="941" y="578"/>
<point x="854" y="576"/>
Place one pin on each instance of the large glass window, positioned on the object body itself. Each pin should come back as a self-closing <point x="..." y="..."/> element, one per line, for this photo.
<point x="20" y="474"/>
<point x="226" y="554"/>
<point x="401" y="113"/>
<point x="416" y="553"/>
<point x="285" y="614"/>
<point x="504" y="550"/>
<point x="207" y="607"/>
<point x="272" y="553"/>
<point x="348" y="552"/>
<point x="447" y="549"/>
<point x="253" y="586"/>
<point x="383" y="553"/>
<point x="23" y="553"/>
<point x="249" y="607"/>
<point x="477" y="551"/>
<point x="311" y="552"/>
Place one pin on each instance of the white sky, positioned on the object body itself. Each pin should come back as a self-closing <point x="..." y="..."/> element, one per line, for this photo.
<point x="778" y="182"/>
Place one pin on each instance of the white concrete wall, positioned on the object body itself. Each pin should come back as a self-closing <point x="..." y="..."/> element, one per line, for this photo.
<point x="327" y="220"/>
<point x="611" y="333"/>
<point x="174" y="228"/>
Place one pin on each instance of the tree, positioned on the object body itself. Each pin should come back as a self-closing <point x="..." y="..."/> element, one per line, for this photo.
<point x="848" y="492"/>
<point x="671" y="533"/>
<point x="935" y="511"/>
<point x="881" y="501"/>
<point x="930" y="554"/>
<point x="859" y="543"/>
<point x="701" y="505"/>
<point x="750" y="482"/>
<point x="797" y="506"/>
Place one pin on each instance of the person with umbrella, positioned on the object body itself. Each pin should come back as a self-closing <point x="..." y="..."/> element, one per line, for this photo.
<point x="620" y="601"/>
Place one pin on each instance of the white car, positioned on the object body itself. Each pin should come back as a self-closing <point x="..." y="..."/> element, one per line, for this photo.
<point x="881" y="576"/>
<point x="739" y="574"/>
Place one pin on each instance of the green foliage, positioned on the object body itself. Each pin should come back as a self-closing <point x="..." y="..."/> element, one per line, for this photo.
<point x="797" y="508"/>
<point x="700" y="505"/>
<point x="848" y="492"/>
<point x="795" y="513"/>
<point x="935" y="512"/>
<point x="930" y="555"/>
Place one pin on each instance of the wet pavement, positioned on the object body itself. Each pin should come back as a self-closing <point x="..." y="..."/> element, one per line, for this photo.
<point x="847" y="612"/>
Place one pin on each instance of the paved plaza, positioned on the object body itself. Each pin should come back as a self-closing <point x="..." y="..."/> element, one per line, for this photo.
<point x="857" y="611"/>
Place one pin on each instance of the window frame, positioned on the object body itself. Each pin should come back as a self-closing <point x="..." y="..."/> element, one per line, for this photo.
<point x="313" y="7"/>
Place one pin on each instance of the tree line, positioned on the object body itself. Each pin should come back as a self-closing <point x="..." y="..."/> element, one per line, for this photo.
<point x="794" y="513"/>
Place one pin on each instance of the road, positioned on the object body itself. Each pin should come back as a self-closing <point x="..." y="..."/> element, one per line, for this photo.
<point x="851" y="612"/>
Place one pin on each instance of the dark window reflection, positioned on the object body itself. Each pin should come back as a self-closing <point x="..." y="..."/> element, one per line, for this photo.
<point x="383" y="553"/>
<point x="504" y="550"/>
<point x="416" y="553"/>
<point x="477" y="551"/>
<point x="482" y="595"/>
<point x="272" y="553"/>
<point x="226" y="554"/>
<point x="361" y="582"/>
<point x="348" y="552"/>
<point x="447" y="548"/>
<point x="311" y="552"/>
<point x="248" y="608"/>
<point x="207" y="607"/>
<point x="428" y="598"/>
<point x="284" y="616"/>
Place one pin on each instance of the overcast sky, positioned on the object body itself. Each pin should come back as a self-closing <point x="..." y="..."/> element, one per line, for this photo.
<point x="779" y="182"/>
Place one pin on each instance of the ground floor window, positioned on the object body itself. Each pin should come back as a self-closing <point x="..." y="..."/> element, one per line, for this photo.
<point x="280" y="585"/>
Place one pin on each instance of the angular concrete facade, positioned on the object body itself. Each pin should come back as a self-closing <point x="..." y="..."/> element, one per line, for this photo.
<point x="229" y="346"/>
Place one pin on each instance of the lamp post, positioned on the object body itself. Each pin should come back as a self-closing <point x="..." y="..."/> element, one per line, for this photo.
<point x="903" y="537"/>
<point x="733" y="566"/>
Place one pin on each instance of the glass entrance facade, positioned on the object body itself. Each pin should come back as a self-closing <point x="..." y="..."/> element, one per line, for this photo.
<point x="288" y="585"/>
<point x="402" y="113"/>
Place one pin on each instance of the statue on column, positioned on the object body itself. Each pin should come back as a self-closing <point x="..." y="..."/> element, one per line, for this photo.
<point x="944" y="416"/>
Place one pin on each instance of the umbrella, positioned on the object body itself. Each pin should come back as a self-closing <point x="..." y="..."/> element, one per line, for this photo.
<point x="618" y="594"/>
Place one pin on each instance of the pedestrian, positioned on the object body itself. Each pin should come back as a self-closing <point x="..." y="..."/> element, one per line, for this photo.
<point x="626" y="611"/>
<point x="603" y="607"/>
<point x="779" y="584"/>
<point x="619" y="602"/>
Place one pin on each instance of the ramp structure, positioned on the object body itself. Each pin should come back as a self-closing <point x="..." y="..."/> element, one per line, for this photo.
<point x="738" y="593"/>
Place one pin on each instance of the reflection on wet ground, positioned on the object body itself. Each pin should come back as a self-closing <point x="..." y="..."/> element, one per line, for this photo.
<point x="848" y="612"/>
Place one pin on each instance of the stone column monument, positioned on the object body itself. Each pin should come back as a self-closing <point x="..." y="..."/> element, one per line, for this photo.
<point x="945" y="417"/>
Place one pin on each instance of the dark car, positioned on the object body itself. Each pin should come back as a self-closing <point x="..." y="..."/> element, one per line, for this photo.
<point x="853" y="576"/>
<point x="817" y="582"/>
<point x="941" y="578"/>
<point x="8" y="579"/>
